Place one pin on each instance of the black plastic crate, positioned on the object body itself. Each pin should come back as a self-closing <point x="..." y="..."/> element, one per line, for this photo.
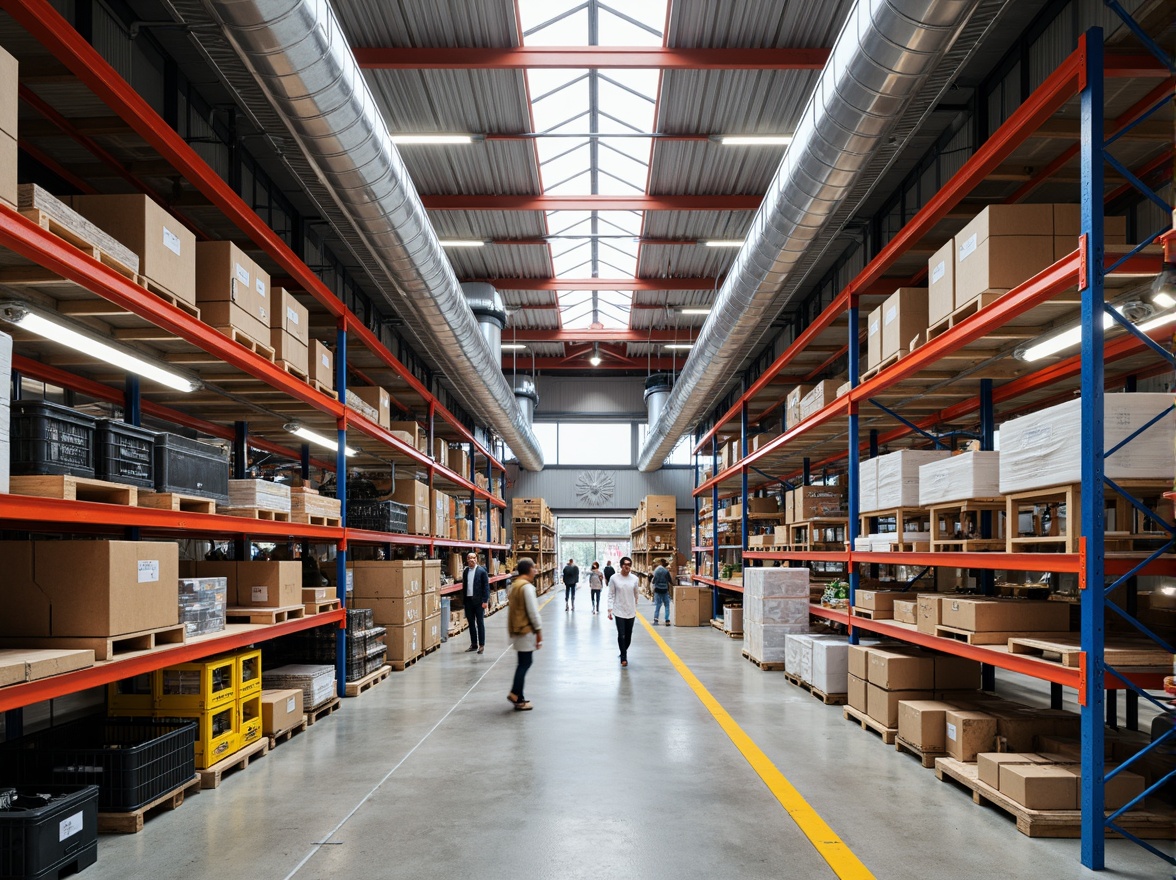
<point x="48" y="438"/>
<point x="191" y="467"/>
<point x="124" y="453"/>
<point x="133" y="761"/>
<point x="378" y="516"/>
<point x="41" y="836"/>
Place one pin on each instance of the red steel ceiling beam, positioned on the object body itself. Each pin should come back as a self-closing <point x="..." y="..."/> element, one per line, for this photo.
<point x="591" y="57"/>
<point x="602" y="336"/>
<point x="601" y="284"/>
<point x="580" y="362"/>
<point x="589" y="202"/>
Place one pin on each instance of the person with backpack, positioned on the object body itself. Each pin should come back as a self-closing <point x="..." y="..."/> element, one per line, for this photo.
<point x="524" y="627"/>
<point x="571" y="577"/>
<point x="609" y="571"/>
<point x="661" y="590"/>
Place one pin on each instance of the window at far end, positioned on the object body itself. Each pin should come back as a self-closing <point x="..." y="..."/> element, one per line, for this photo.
<point x="595" y="443"/>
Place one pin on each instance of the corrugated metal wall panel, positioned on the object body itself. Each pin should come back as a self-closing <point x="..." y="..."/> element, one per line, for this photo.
<point x="558" y="487"/>
<point x="112" y="41"/>
<point x="589" y="396"/>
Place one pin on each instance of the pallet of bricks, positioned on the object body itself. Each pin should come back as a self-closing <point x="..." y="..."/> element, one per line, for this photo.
<point x="404" y="597"/>
<point x="1023" y="759"/>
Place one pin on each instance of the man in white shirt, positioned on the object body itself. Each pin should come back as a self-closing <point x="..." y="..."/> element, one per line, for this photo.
<point x="476" y="596"/>
<point x="622" y="605"/>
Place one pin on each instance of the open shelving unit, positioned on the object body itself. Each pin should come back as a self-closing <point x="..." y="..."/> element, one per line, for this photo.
<point x="533" y="535"/>
<point x="967" y="376"/>
<point x="247" y="399"/>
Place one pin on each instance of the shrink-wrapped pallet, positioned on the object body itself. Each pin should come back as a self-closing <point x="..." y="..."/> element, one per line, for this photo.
<point x="960" y="478"/>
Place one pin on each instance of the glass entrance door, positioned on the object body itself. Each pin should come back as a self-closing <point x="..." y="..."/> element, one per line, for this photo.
<point x="590" y="539"/>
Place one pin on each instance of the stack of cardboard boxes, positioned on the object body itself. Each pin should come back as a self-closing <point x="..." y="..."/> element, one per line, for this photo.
<point x="290" y="332"/>
<point x="880" y="678"/>
<point x="9" y="70"/>
<point x="378" y="401"/>
<point x="414" y="495"/>
<point x="431" y="587"/>
<point x="253" y="584"/>
<point x="233" y="292"/>
<point x="395" y="592"/>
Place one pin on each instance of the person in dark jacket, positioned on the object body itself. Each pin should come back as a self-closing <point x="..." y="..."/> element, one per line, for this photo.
<point x="571" y="577"/>
<point x="475" y="583"/>
<point x="609" y="571"/>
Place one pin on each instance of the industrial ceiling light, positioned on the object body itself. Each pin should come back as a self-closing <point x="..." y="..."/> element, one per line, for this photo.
<point x="595" y="359"/>
<point x="694" y="311"/>
<point x="512" y="346"/>
<point x="1134" y="311"/>
<point x="51" y="326"/>
<point x="314" y="437"/>
<point x="435" y="139"/>
<point x="753" y="140"/>
<point x="1163" y="288"/>
<point x="463" y="242"/>
<point x="679" y="346"/>
<point x="721" y="242"/>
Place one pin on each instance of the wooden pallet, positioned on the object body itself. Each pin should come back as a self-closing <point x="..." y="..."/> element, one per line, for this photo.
<point x="281" y="736"/>
<point x="320" y="607"/>
<point x="265" y="615"/>
<point x="1127" y="537"/>
<point x="826" y="698"/>
<point x="318" y="713"/>
<point x="459" y="629"/>
<point x="56" y="217"/>
<point x="401" y="665"/>
<point x="1068" y="651"/>
<point x="927" y="759"/>
<point x="965" y="311"/>
<point x="70" y="488"/>
<point x="369" y="681"/>
<point x="766" y="665"/>
<point x="883" y="364"/>
<point x="132" y="822"/>
<point x="177" y="502"/>
<point x="322" y="388"/>
<point x="717" y="623"/>
<point x="256" y="513"/>
<point x="888" y="734"/>
<point x="995" y="637"/>
<point x="734" y="635"/>
<point x="314" y="519"/>
<point x="872" y="613"/>
<point x="1022" y="591"/>
<point x="105" y="648"/>
<point x="1050" y="823"/>
<point x="293" y="370"/>
<point x="211" y="777"/>
<point x="253" y="345"/>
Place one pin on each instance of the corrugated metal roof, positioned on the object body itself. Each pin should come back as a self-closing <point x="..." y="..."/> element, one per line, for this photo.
<point x="429" y="22"/>
<point x="500" y="261"/>
<point x="755" y="23"/>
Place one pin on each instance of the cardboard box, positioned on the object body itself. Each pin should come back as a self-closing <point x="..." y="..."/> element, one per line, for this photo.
<point x="882" y="705"/>
<point x="921" y="723"/>
<point x="956" y="673"/>
<point x="1005" y="615"/>
<point x="894" y="671"/>
<point x="874" y="338"/>
<point x="458" y="461"/>
<point x="404" y="642"/>
<point x="394" y="611"/>
<point x="859" y="661"/>
<point x="858" y="693"/>
<point x="1067" y="227"/>
<point x="733" y="618"/>
<point x="290" y="315"/>
<point x="287" y="348"/>
<point x="763" y="505"/>
<point x="280" y="710"/>
<point x="941" y="284"/>
<point x="907" y="610"/>
<point x="397" y="578"/>
<point x="420" y="520"/>
<point x="8" y="176"/>
<point x="9" y="79"/>
<point x="432" y="576"/>
<point x="1004" y="246"/>
<point x="820" y="396"/>
<point x="225" y="274"/>
<point x="904" y="316"/>
<point x="988" y="764"/>
<point x="32" y="664"/>
<point x="830" y="667"/>
<point x="929" y="613"/>
<point x="166" y="247"/>
<point x="267" y="584"/>
<point x="317" y="594"/>
<point x="968" y="733"/>
<point x="411" y="492"/>
<point x="815" y="502"/>
<point x="792" y="414"/>
<point x="431" y="632"/>
<point x="432" y="604"/>
<point x="413" y="430"/>
<point x="878" y="601"/>
<point x="1118" y="791"/>
<point x="377" y="398"/>
<point x="1040" y="786"/>
<point x="321" y="364"/>
<point x="88" y="588"/>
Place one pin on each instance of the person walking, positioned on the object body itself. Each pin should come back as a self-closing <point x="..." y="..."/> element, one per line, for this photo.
<point x="622" y="603"/>
<point x="475" y="597"/>
<point x="595" y="584"/>
<point x="609" y="571"/>
<point x="571" y="577"/>
<point x="524" y="627"/>
<point x="661" y="590"/>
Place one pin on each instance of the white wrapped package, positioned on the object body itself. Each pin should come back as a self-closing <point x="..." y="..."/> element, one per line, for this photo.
<point x="959" y="478"/>
<point x="862" y="544"/>
<point x="830" y="664"/>
<point x="794" y="646"/>
<point x="868" y="485"/>
<point x="898" y="476"/>
<point x="775" y="610"/>
<point x="759" y="583"/>
<point x="1041" y="449"/>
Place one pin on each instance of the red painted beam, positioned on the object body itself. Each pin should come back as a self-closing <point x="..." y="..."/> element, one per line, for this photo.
<point x="602" y="336"/>
<point x="590" y="203"/>
<point x="579" y="361"/>
<point x="602" y="284"/>
<point x="592" y="57"/>
<point x="57" y="168"/>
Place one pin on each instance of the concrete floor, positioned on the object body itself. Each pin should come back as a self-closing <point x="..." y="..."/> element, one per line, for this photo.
<point x="615" y="773"/>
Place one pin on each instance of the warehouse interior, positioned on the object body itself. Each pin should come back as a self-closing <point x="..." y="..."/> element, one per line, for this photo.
<point x="832" y="316"/>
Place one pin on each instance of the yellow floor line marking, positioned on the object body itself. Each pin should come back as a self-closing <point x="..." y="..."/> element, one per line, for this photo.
<point x="831" y="848"/>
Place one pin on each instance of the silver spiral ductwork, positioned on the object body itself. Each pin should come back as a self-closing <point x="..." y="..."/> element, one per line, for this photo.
<point x="881" y="59"/>
<point x="299" y="55"/>
<point x="490" y="313"/>
<point x="528" y="399"/>
<point x="657" y="392"/>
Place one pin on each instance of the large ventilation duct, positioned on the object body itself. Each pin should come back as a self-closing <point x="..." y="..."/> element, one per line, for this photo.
<point x="486" y="304"/>
<point x="657" y="392"/>
<point x="882" y="58"/>
<point x="298" y="54"/>
<point x="528" y="399"/>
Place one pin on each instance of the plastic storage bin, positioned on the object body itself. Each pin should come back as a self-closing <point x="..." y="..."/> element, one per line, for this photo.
<point x="378" y="516"/>
<point x="248" y="673"/>
<point x="190" y="467"/>
<point x="202" y="684"/>
<point x="39" y="836"/>
<point x="132" y="761"/>
<point x="124" y="453"/>
<point x="48" y="438"/>
<point x="249" y="718"/>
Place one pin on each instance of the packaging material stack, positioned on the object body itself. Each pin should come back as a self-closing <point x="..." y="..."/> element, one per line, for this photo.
<point x="898" y="477"/>
<point x="202" y="604"/>
<point x="414" y="495"/>
<point x="258" y="495"/>
<point x="883" y="678"/>
<point x="961" y="477"/>
<point x="775" y="605"/>
<point x="316" y="682"/>
<point x="306" y="502"/>
<point x="373" y="402"/>
<point x="9" y="70"/>
<point x="233" y="293"/>
<point x="394" y="591"/>
<point x="261" y="584"/>
<point x="896" y="327"/>
<point x="819" y="396"/>
<point x="431" y="586"/>
<point x="289" y="323"/>
<point x="820" y="660"/>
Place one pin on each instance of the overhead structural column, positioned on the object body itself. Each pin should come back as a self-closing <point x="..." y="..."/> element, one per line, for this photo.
<point x="881" y="60"/>
<point x="297" y="52"/>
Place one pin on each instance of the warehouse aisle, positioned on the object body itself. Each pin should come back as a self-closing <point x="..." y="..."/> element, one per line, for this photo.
<point x="616" y="773"/>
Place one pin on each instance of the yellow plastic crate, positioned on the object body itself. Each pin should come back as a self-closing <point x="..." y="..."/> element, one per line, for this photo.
<point x="204" y="684"/>
<point x="217" y="734"/>
<point x="249" y="716"/>
<point x="248" y="673"/>
<point x="132" y="696"/>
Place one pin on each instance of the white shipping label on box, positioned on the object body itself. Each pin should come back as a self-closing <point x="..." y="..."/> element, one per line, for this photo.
<point x="891" y="315"/>
<point x="291" y="315"/>
<point x="937" y="271"/>
<point x="967" y="247"/>
<point x="291" y="705"/>
<point x="70" y="826"/>
<point x="148" y="571"/>
<point x="260" y="594"/>
<point x="326" y="361"/>
<point x="951" y="731"/>
<point x="874" y="328"/>
<point x="260" y="287"/>
<point x="171" y="241"/>
<point x="243" y="274"/>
